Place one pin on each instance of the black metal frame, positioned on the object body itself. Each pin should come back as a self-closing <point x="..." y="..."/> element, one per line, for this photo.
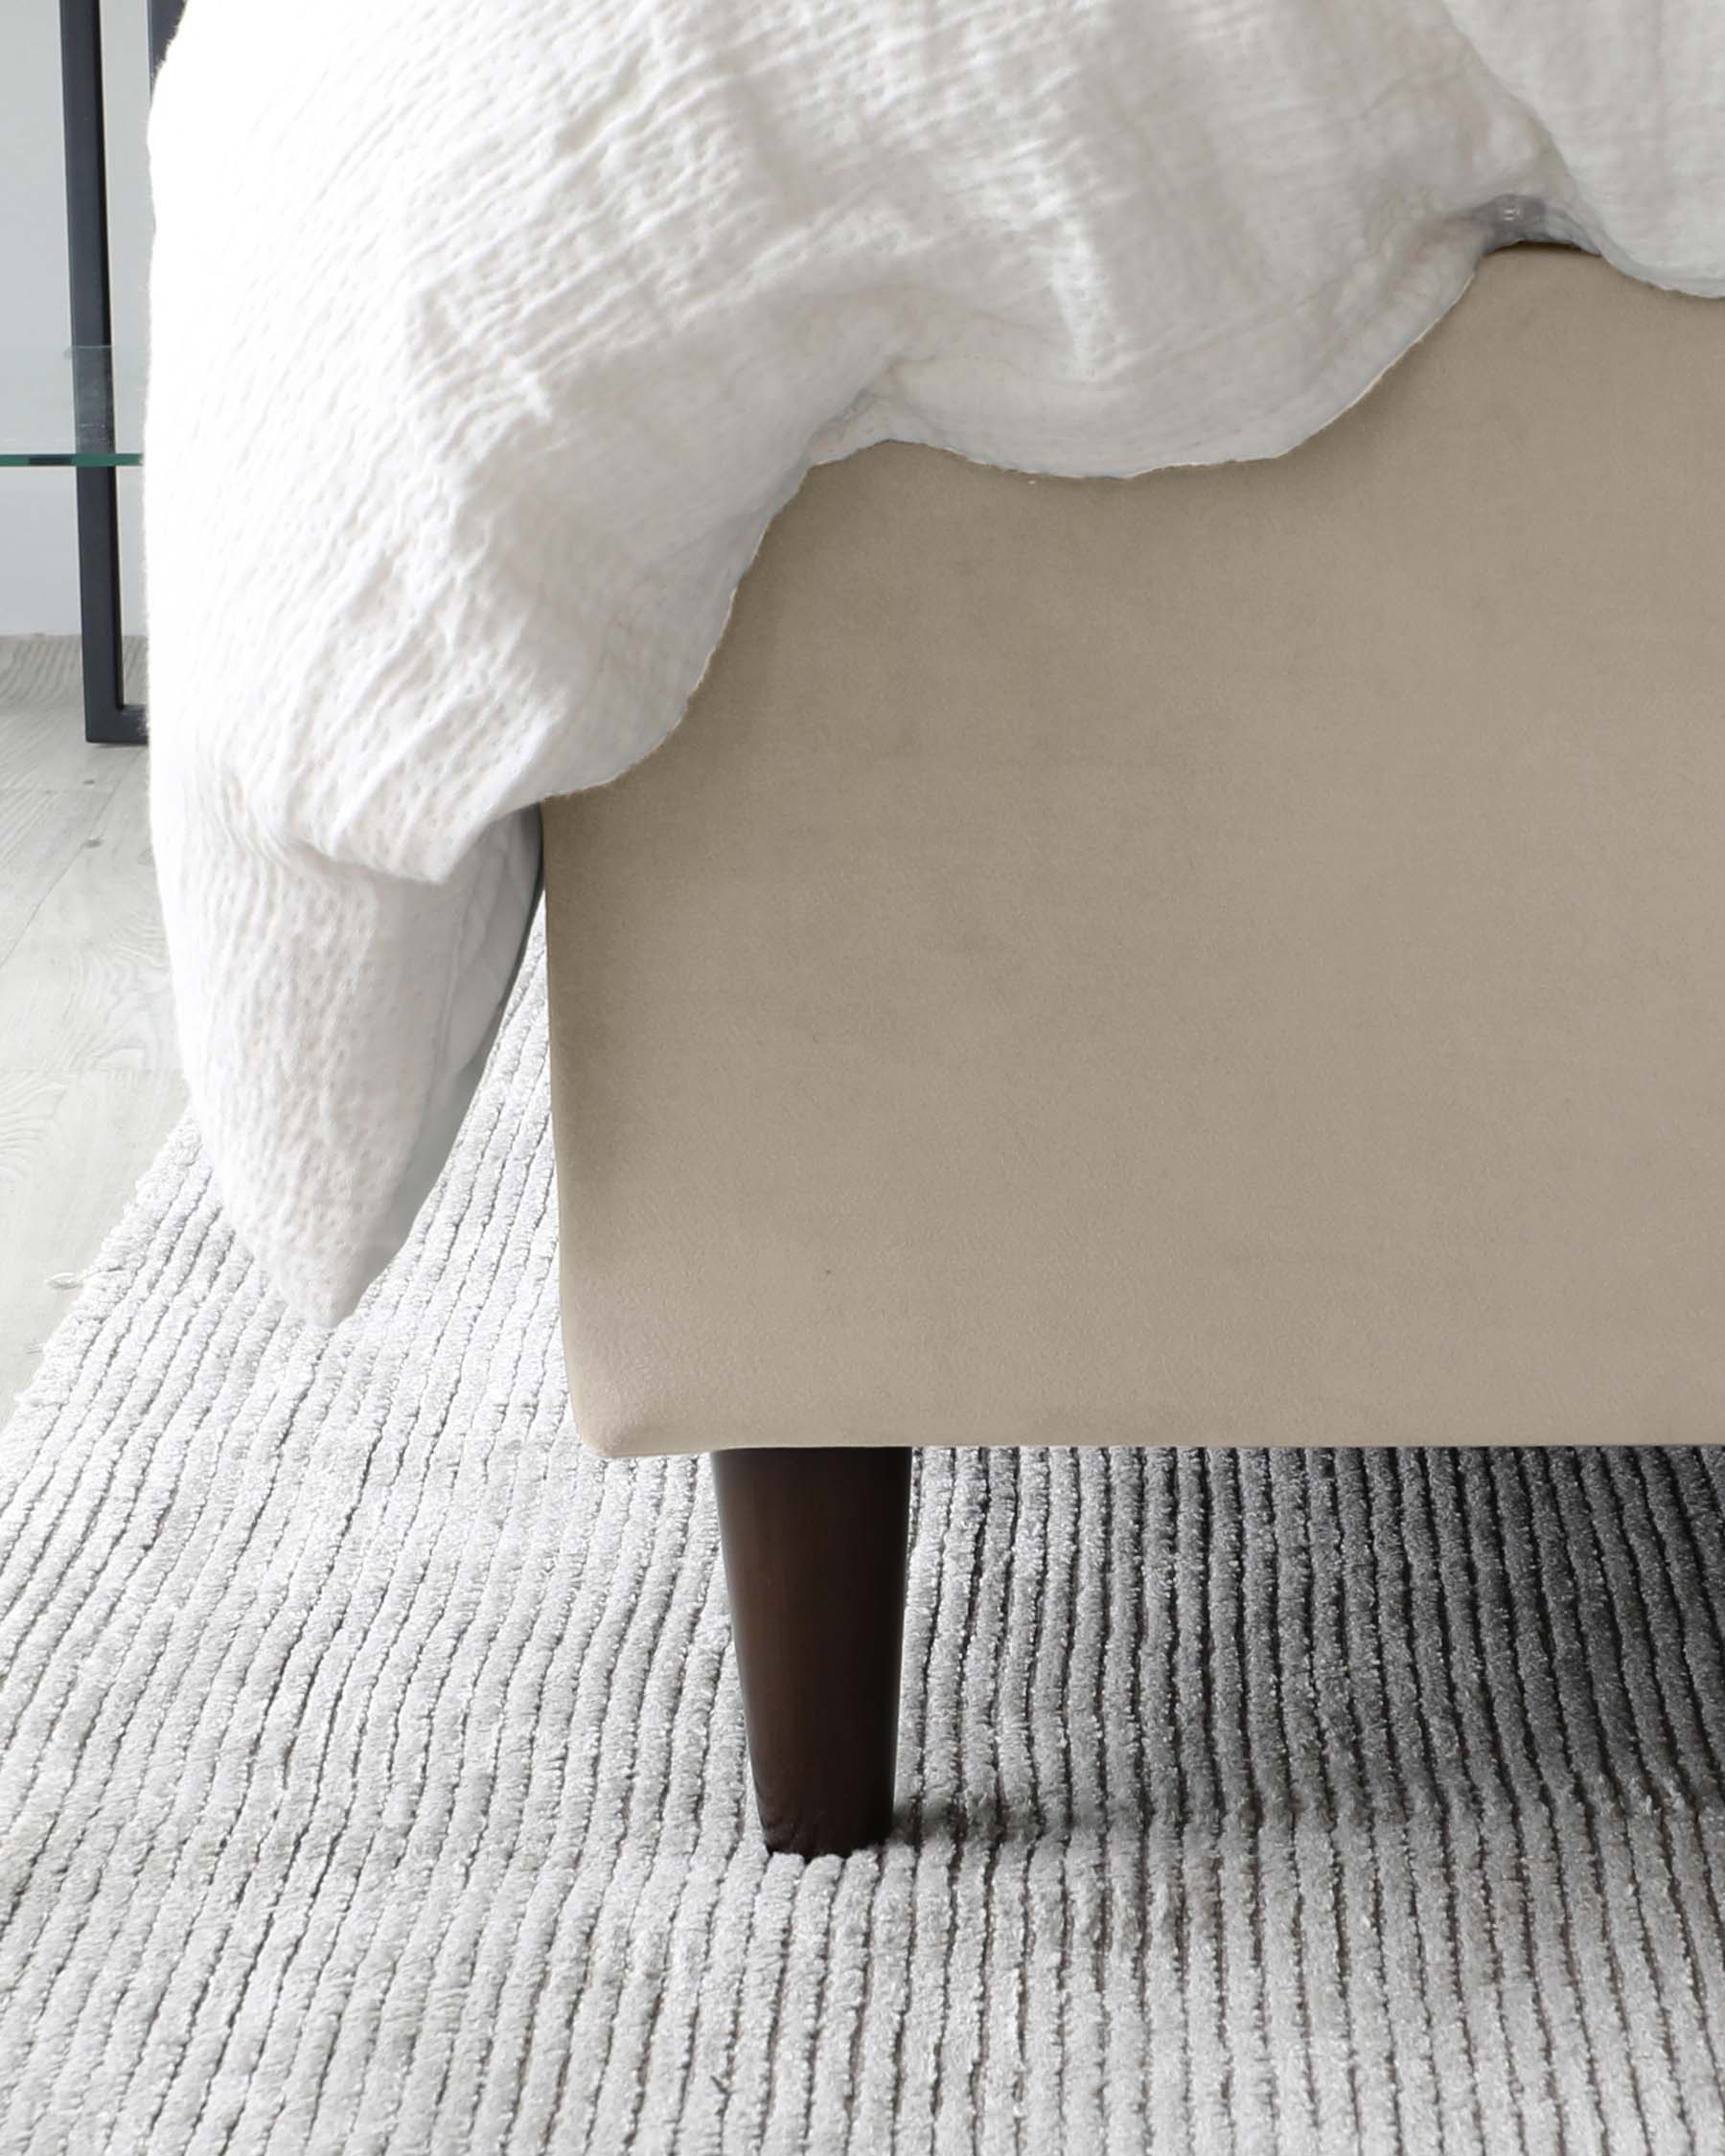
<point x="107" y="716"/>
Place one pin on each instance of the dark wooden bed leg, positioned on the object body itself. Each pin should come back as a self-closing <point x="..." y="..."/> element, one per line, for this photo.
<point x="815" y="1553"/>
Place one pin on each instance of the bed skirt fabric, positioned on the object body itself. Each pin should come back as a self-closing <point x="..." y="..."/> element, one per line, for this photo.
<point x="1228" y="956"/>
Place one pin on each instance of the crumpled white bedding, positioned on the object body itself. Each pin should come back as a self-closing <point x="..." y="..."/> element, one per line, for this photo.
<point x="486" y="342"/>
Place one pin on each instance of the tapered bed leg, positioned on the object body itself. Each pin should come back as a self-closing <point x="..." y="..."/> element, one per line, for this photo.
<point x="815" y="1553"/>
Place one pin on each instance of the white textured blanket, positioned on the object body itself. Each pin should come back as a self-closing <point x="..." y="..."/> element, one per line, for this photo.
<point x="486" y="342"/>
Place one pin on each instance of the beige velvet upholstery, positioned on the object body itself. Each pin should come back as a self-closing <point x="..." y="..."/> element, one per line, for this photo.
<point x="1234" y="956"/>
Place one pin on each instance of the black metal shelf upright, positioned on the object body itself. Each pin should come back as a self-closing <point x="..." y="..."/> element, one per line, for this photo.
<point x="107" y="716"/>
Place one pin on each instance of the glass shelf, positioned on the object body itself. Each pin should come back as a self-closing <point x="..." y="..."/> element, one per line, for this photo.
<point x="77" y="404"/>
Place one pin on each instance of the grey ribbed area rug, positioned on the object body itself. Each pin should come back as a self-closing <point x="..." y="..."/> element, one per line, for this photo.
<point x="372" y="1776"/>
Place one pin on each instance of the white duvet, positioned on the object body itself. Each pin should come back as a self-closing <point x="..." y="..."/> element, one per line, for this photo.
<point x="487" y="340"/>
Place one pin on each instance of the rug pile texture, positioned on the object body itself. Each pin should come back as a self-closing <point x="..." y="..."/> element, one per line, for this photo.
<point x="371" y="1766"/>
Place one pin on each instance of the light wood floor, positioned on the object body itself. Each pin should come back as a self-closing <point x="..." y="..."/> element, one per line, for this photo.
<point x="88" y="1080"/>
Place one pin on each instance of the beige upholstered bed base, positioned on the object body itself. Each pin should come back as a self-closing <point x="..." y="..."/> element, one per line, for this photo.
<point x="1234" y="956"/>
